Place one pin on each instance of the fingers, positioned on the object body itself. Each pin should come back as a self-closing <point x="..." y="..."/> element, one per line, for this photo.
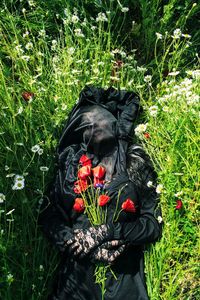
<point x="69" y="242"/>
<point x="112" y="244"/>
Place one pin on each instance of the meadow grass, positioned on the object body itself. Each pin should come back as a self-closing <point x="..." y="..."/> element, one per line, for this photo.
<point x="52" y="62"/>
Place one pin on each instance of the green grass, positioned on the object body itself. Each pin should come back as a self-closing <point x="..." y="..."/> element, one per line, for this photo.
<point x="42" y="52"/>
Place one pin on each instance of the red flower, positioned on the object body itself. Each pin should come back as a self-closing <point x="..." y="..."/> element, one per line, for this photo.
<point x="146" y="135"/>
<point x="129" y="206"/>
<point x="80" y="186"/>
<point x="99" y="172"/>
<point x="84" y="172"/>
<point x="27" y="96"/>
<point x="85" y="161"/>
<point x="179" y="204"/>
<point x="103" y="200"/>
<point x="79" y="205"/>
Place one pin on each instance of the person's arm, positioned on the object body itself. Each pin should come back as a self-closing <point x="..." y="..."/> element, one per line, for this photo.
<point x="146" y="228"/>
<point x="53" y="219"/>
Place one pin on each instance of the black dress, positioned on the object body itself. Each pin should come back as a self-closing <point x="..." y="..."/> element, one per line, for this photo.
<point x="75" y="279"/>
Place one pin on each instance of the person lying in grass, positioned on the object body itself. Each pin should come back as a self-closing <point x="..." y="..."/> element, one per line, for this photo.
<point x="101" y="209"/>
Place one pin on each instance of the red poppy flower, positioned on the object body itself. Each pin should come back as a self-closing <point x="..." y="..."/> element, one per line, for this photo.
<point x="99" y="172"/>
<point x="27" y="96"/>
<point x="84" y="172"/>
<point x="179" y="204"/>
<point x="80" y="186"/>
<point x="79" y="205"/>
<point x="85" y="161"/>
<point x="129" y="206"/>
<point x="146" y="135"/>
<point x="103" y="200"/>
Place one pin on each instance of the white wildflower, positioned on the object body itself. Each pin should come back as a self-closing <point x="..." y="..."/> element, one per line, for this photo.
<point x="63" y="106"/>
<point x="40" y="151"/>
<point x="75" y="19"/>
<point x="194" y="73"/>
<point x="6" y="168"/>
<point x="141" y="69"/>
<point x="159" y="36"/>
<point x="19" y="178"/>
<point x="187" y="36"/>
<point x="153" y="110"/>
<point x="20" y="110"/>
<point x="19" y="49"/>
<point x="10" y="175"/>
<point x="25" y="34"/>
<point x="124" y="9"/>
<point x="122" y="53"/>
<point x="148" y="78"/>
<point x="96" y="71"/>
<point x="159" y="188"/>
<point x="178" y="194"/>
<point x="41" y="268"/>
<point x="23" y="10"/>
<point x="31" y="3"/>
<point x="174" y="73"/>
<point x="149" y="184"/>
<point x="78" y="32"/>
<point x="114" y="78"/>
<point x="166" y="108"/>
<point x="18" y="185"/>
<point x="177" y="34"/>
<point x="35" y="148"/>
<point x="71" y="50"/>
<point x="10" y="278"/>
<point x="29" y="46"/>
<point x="2" y="197"/>
<point x="93" y="28"/>
<point x="160" y="219"/>
<point x="141" y="128"/>
<point x="10" y="212"/>
<point x="44" y="169"/>
<point x="101" y="17"/>
<point x="42" y="33"/>
<point x="25" y="57"/>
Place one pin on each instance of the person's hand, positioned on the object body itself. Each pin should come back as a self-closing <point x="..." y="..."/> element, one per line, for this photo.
<point x="85" y="240"/>
<point x="108" y="252"/>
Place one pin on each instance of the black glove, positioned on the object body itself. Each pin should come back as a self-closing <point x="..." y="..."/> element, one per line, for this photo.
<point x="108" y="251"/>
<point x="85" y="240"/>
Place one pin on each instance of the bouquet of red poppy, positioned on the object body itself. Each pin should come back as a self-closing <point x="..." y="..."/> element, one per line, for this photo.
<point x="93" y="202"/>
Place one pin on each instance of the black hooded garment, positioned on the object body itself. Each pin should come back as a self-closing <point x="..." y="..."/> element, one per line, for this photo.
<point x="100" y="126"/>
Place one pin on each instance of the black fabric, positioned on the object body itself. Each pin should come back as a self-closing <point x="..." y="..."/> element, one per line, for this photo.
<point x="129" y="170"/>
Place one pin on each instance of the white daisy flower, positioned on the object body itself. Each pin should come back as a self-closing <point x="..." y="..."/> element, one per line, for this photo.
<point x="149" y="184"/>
<point x="2" y="197"/>
<point x="75" y="19"/>
<point x="18" y="185"/>
<point x="18" y="178"/>
<point x="124" y="9"/>
<point x="153" y="110"/>
<point x="140" y="129"/>
<point x="29" y="46"/>
<point x="35" y="148"/>
<point x="159" y="36"/>
<point x="159" y="188"/>
<point x="44" y="169"/>
<point x="101" y="17"/>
